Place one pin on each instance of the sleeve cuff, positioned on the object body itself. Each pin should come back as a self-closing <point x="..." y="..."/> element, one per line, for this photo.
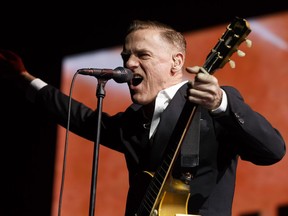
<point x="34" y="87"/>
<point x="223" y="105"/>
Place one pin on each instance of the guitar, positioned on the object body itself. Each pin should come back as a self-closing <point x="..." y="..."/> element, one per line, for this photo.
<point x="163" y="195"/>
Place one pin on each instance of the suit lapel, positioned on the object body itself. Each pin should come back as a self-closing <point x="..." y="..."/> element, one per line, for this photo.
<point x="165" y="128"/>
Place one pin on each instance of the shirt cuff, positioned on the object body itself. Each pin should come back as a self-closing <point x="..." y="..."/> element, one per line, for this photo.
<point x="223" y="105"/>
<point x="35" y="86"/>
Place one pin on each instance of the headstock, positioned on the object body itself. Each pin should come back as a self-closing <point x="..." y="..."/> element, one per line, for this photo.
<point x="235" y="34"/>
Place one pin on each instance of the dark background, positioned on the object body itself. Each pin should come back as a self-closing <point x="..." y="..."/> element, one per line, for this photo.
<point x="51" y="29"/>
<point x="43" y="33"/>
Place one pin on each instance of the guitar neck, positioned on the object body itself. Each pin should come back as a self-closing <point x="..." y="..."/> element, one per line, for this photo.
<point x="155" y="188"/>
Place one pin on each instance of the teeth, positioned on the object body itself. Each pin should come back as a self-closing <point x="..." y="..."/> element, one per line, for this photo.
<point x="137" y="76"/>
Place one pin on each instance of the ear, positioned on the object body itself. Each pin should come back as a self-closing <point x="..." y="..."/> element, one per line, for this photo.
<point x="178" y="61"/>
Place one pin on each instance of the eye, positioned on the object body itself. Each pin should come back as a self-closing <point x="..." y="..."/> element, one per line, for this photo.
<point x="143" y="55"/>
<point x="125" y="57"/>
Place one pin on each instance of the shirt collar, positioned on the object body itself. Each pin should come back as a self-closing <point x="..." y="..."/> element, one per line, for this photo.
<point x="171" y="91"/>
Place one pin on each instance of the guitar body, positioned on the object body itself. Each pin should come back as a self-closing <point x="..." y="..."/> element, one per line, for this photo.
<point x="173" y="201"/>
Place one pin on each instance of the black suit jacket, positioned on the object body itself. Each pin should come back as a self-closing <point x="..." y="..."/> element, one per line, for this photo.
<point x="239" y="132"/>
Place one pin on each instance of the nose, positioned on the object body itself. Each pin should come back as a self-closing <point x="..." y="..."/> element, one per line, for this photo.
<point x="132" y="62"/>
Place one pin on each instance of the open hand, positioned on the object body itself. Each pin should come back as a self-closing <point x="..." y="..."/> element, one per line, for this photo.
<point x="11" y="65"/>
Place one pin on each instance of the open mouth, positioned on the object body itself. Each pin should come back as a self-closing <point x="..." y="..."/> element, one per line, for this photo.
<point x="137" y="79"/>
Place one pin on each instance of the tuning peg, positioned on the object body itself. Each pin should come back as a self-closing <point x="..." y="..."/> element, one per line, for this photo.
<point x="241" y="53"/>
<point x="232" y="63"/>
<point x="248" y="43"/>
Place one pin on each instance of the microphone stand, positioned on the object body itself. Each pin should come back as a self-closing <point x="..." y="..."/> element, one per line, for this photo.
<point x="100" y="93"/>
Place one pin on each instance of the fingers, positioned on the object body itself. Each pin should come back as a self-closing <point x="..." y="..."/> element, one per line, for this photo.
<point x="11" y="62"/>
<point x="204" y="88"/>
<point x="193" y="70"/>
<point x="196" y="70"/>
<point x="209" y="98"/>
<point x="8" y="55"/>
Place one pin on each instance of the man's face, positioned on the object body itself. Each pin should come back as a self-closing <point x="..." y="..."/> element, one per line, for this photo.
<point x="151" y="60"/>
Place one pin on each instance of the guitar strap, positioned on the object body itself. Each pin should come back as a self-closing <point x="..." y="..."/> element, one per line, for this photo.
<point x="190" y="144"/>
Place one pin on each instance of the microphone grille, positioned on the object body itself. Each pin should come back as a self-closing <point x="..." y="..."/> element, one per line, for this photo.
<point x="125" y="75"/>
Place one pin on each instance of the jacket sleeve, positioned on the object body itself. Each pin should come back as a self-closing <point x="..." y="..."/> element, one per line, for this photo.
<point x="256" y="139"/>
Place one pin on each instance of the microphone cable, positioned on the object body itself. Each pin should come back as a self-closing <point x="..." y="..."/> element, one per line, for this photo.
<point x="66" y="145"/>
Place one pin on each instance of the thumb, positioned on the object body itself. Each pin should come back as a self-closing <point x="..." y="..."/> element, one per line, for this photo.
<point x="193" y="70"/>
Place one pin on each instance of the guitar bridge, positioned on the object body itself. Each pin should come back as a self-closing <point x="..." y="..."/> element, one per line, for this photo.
<point x="186" y="178"/>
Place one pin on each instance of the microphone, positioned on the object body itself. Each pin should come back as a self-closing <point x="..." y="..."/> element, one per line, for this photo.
<point x="119" y="74"/>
